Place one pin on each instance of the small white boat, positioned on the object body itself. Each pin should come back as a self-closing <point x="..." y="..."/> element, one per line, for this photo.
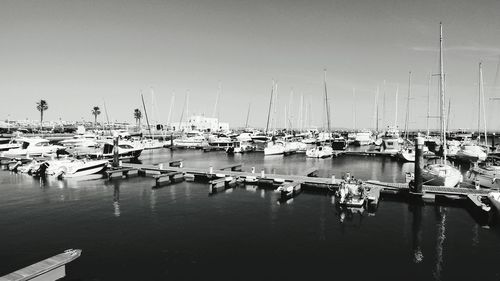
<point x="320" y="151"/>
<point x="363" y="138"/>
<point x="7" y="143"/>
<point x="125" y="150"/>
<point x="407" y="155"/>
<point x="441" y="175"/>
<point x="193" y="139"/>
<point x="32" y="147"/>
<point x="486" y="174"/>
<point x="70" y="168"/>
<point x="470" y="152"/>
<point x="274" y="148"/>
<point x="351" y="193"/>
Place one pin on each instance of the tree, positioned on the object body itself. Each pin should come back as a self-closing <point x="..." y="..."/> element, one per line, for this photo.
<point x="95" y="111"/>
<point x="41" y="106"/>
<point x="137" y="116"/>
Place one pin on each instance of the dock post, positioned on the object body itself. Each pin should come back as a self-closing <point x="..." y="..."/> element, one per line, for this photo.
<point x="333" y="179"/>
<point x="116" y="156"/>
<point x="211" y="170"/>
<point x="419" y="166"/>
<point x="262" y="174"/>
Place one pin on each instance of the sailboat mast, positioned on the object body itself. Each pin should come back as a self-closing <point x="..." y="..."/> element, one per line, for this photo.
<point x="270" y="106"/>
<point x="171" y="107"/>
<point x="441" y="92"/>
<point x="354" y="108"/>
<point x="214" y="114"/>
<point x="428" y="103"/>
<point x="107" y="117"/>
<point x="407" y="119"/>
<point x="481" y="91"/>
<point x="396" y="111"/>
<point x="146" y="113"/>
<point x="327" y="104"/>
<point x="248" y="115"/>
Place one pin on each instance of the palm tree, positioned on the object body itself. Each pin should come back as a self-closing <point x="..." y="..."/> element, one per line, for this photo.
<point x="95" y="111"/>
<point x="41" y="106"/>
<point x="137" y="116"/>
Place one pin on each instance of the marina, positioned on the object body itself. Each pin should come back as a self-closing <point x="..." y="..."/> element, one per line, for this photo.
<point x="261" y="140"/>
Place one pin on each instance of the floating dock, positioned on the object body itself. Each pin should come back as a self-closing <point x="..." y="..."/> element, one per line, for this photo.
<point x="49" y="269"/>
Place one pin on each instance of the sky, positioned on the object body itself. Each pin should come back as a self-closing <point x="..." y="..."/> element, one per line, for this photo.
<point x="78" y="54"/>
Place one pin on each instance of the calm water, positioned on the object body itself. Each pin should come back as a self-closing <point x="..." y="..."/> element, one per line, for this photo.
<point x="129" y="231"/>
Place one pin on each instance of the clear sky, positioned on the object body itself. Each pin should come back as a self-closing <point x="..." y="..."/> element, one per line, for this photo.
<point x="74" y="54"/>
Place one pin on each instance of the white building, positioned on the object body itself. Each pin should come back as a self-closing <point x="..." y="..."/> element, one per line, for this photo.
<point x="200" y="123"/>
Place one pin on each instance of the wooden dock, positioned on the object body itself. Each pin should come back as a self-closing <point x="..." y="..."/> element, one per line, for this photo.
<point x="49" y="269"/>
<point x="291" y="185"/>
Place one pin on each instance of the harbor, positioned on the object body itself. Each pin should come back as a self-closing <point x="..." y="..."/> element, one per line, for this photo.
<point x="249" y="140"/>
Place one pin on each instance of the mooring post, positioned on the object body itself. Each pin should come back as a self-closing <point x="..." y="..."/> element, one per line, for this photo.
<point x="262" y="174"/>
<point x="333" y="179"/>
<point x="419" y="166"/>
<point x="211" y="170"/>
<point x="171" y="140"/>
<point x="116" y="156"/>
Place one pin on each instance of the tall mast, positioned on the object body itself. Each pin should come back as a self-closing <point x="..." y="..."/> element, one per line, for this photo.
<point x="327" y="104"/>
<point x="407" y="119"/>
<point x="375" y="113"/>
<point x="481" y="91"/>
<point x="270" y="105"/>
<point x="354" y="108"/>
<point x="428" y="103"/>
<point x="441" y="92"/>
<point x="146" y="113"/>
<point x="396" y="111"/>
<point x="383" y="106"/>
<point x="301" y="113"/>
<point x="172" y="100"/>
<point x="219" y="90"/>
<point x="248" y="115"/>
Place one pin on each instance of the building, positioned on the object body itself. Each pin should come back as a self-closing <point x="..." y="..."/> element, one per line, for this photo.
<point x="200" y="123"/>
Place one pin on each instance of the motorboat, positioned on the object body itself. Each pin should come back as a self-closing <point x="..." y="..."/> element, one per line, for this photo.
<point x="7" y="143"/>
<point x="338" y="142"/>
<point x="274" y="148"/>
<point x="407" y="155"/>
<point x="320" y="151"/>
<point x="80" y="144"/>
<point x="351" y="193"/>
<point x="126" y="150"/>
<point x="240" y="147"/>
<point x="441" y="174"/>
<point x="220" y="141"/>
<point x="70" y="167"/>
<point x="470" y="152"/>
<point x="148" y="144"/>
<point x="32" y="147"/>
<point x="486" y="174"/>
<point x="363" y="138"/>
<point x="193" y="139"/>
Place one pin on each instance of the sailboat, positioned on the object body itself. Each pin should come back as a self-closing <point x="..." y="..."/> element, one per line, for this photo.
<point x="407" y="153"/>
<point x="273" y="147"/>
<point x="472" y="152"/>
<point x="441" y="174"/>
<point x="321" y="150"/>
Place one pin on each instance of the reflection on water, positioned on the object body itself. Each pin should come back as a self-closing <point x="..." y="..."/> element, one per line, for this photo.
<point x="116" y="198"/>
<point x="416" y="227"/>
<point x="441" y="236"/>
